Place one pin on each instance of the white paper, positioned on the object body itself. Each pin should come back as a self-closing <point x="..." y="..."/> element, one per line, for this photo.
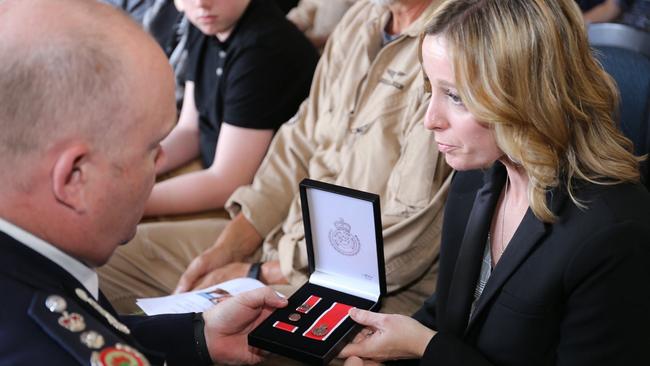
<point x="197" y="301"/>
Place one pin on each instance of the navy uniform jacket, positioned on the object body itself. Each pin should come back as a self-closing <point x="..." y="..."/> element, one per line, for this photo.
<point x="30" y="333"/>
<point x="575" y="292"/>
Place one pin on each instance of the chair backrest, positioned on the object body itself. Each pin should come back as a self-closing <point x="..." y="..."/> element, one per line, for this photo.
<point x="624" y="52"/>
<point x="619" y="36"/>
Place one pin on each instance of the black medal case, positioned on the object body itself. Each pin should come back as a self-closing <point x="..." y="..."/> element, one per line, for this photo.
<point x="343" y="234"/>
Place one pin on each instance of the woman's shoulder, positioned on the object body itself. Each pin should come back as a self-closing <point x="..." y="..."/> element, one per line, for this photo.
<point x="624" y="202"/>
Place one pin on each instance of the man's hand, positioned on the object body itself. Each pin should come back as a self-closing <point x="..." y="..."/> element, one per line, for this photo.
<point x="386" y="337"/>
<point x="228" y="323"/>
<point x="238" y="240"/>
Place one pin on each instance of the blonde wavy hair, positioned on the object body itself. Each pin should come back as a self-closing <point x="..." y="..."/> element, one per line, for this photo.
<point x="525" y="67"/>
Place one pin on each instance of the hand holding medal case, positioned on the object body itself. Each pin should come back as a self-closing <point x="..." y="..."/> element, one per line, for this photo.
<point x="343" y="234"/>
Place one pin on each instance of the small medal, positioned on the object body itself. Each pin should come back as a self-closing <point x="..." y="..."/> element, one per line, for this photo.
<point x="92" y="339"/>
<point x="320" y="331"/>
<point x="294" y="317"/>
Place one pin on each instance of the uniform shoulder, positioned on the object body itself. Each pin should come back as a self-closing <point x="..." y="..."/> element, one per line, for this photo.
<point x="78" y="332"/>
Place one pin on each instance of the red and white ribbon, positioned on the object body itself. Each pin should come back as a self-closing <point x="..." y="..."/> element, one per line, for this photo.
<point x="308" y="304"/>
<point x="328" y="322"/>
<point x="284" y="326"/>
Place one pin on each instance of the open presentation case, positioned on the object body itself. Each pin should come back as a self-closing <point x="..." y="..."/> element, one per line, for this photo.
<point x="343" y="234"/>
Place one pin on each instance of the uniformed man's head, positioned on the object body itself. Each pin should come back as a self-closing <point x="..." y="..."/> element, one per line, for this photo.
<point x="215" y="17"/>
<point x="86" y="96"/>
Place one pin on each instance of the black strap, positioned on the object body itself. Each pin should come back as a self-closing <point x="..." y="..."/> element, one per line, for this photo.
<point x="199" y="340"/>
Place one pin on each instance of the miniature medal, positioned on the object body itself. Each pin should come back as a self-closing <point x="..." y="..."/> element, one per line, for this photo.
<point x="306" y="306"/>
<point x="294" y="317"/>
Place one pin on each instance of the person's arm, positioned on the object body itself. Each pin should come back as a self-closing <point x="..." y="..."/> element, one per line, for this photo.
<point x="238" y="240"/>
<point x="303" y="14"/>
<point x="238" y="155"/>
<point x="606" y="11"/>
<point x="182" y="144"/>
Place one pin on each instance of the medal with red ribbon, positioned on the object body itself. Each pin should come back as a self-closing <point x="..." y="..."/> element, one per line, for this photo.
<point x="309" y="304"/>
<point x="328" y="322"/>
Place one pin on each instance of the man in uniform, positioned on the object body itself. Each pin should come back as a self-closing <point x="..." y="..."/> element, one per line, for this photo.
<point x="86" y="97"/>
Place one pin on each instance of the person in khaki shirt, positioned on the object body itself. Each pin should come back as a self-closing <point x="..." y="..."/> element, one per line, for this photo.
<point x="317" y="18"/>
<point x="361" y="127"/>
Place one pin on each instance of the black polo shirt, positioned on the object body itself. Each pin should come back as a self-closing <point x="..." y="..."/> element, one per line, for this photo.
<point x="256" y="79"/>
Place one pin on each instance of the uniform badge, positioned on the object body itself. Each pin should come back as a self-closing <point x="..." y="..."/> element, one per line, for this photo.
<point x="92" y="339"/>
<point x="118" y="355"/>
<point x="72" y="321"/>
<point x="56" y="304"/>
<point x="343" y="240"/>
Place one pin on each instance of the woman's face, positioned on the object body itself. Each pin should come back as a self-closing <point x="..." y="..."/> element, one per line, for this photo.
<point x="466" y="143"/>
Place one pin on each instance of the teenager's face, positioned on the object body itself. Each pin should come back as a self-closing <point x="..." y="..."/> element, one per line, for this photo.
<point x="213" y="17"/>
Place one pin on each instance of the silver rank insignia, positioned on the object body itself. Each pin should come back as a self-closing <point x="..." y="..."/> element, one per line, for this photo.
<point x="56" y="304"/>
<point x="92" y="339"/>
<point x="73" y="322"/>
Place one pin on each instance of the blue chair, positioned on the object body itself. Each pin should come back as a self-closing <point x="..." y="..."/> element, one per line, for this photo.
<point x="624" y="52"/>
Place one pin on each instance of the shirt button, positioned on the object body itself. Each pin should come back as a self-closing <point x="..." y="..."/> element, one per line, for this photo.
<point x="222" y="54"/>
<point x="219" y="71"/>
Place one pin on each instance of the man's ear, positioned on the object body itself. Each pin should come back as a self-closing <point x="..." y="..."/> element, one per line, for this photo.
<point x="70" y="177"/>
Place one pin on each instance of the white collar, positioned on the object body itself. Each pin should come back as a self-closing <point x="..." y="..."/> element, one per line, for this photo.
<point x="83" y="274"/>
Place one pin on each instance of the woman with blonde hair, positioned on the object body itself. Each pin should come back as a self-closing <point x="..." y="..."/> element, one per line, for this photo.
<point x="545" y="256"/>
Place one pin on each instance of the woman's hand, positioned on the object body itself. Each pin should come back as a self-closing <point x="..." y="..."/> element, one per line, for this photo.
<point x="387" y="337"/>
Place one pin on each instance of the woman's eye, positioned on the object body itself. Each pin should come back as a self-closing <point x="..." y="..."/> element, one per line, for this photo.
<point x="455" y="99"/>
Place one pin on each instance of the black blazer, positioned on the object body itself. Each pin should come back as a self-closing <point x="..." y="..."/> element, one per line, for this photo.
<point x="30" y="333"/>
<point x="575" y="292"/>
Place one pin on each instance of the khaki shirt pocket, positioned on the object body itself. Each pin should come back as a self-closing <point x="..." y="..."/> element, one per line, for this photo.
<point x="410" y="187"/>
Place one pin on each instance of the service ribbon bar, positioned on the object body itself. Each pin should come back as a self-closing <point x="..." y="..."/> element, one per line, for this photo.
<point x="284" y="326"/>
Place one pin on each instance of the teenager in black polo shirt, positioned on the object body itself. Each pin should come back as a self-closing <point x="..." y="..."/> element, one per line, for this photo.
<point x="248" y="71"/>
